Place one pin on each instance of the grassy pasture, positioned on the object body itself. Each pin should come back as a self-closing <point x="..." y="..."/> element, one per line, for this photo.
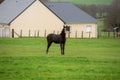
<point x="84" y="59"/>
<point x="88" y="2"/>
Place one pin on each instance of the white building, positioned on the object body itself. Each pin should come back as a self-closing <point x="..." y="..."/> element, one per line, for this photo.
<point x="35" y="18"/>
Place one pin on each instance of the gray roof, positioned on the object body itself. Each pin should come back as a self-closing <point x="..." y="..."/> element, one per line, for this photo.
<point x="69" y="13"/>
<point x="10" y="9"/>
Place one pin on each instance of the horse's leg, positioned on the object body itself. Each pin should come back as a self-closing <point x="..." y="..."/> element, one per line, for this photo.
<point x="48" y="46"/>
<point x="62" y="49"/>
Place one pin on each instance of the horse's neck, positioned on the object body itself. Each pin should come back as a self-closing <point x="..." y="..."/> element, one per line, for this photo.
<point x="62" y="33"/>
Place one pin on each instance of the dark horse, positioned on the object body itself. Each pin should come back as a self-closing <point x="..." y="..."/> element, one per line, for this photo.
<point x="59" y="39"/>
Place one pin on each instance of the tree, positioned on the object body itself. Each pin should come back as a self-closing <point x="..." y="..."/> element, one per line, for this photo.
<point x="101" y="11"/>
<point x="97" y="11"/>
<point x="113" y="16"/>
<point x="1" y="1"/>
<point x="90" y="9"/>
<point x="45" y="0"/>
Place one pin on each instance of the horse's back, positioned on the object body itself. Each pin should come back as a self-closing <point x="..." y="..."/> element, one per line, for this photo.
<point x="49" y="36"/>
<point x="54" y="38"/>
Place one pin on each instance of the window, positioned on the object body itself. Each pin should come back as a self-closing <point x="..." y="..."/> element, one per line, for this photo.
<point x="88" y="28"/>
<point x="68" y="28"/>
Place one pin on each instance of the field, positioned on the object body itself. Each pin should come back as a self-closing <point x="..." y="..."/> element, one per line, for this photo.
<point x="84" y="59"/>
<point x="88" y="2"/>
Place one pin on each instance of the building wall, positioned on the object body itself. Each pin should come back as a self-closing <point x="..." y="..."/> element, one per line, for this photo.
<point x="4" y="30"/>
<point x="80" y="30"/>
<point x="36" y="18"/>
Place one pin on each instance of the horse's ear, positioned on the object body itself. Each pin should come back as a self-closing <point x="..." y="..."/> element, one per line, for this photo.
<point x="64" y="26"/>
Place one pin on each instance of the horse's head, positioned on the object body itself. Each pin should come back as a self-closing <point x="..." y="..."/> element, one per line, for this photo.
<point x="63" y="32"/>
<point x="64" y="27"/>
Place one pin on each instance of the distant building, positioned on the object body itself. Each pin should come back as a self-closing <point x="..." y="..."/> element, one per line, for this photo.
<point x="35" y="18"/>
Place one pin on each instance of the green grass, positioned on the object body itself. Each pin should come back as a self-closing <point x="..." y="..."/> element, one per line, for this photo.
<point x="88" y="2"/>
<point x="84" y="59"/>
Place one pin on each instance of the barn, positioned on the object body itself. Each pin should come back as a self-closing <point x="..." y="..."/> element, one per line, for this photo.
<point x="28" y="18"/>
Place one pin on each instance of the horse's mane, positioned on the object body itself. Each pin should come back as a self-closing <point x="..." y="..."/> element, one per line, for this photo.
<point x="63" y="32"/>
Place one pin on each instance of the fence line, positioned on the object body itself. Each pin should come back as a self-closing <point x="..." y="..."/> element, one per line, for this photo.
<point x="108" y="34"/>
<point x="76" y="34"/>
